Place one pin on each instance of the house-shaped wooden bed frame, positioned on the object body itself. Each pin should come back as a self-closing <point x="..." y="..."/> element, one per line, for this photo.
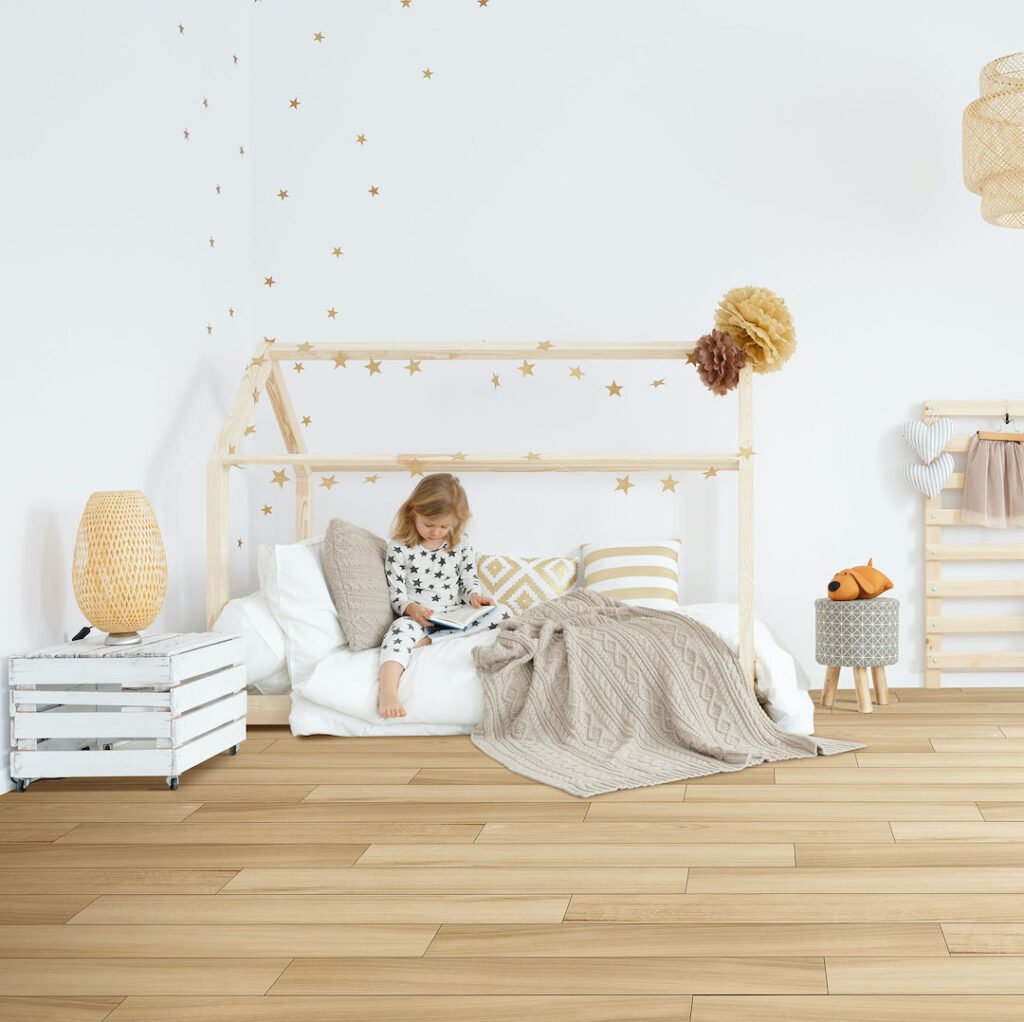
<point x="265" y="373"/>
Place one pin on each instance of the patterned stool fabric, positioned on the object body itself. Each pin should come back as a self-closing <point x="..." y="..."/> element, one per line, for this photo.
<point x="857" y="633"/>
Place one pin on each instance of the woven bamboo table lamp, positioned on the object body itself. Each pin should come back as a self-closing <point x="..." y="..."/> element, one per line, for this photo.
<point x="119" y="571"/>
<point x="994" y="142"/>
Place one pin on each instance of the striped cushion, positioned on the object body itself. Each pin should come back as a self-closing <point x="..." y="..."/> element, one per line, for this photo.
<point x="522" y="582"/>
<point x="641" y="574"/>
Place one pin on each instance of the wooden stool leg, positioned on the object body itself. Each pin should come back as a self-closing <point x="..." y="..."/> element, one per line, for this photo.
<point x="828" y="690"/>
<point x="881" y="688"/>
<point x="860" y="681"/>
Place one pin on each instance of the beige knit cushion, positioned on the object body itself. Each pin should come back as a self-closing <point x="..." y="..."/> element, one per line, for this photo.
<point x="643" y="574"/>
<point x="523" y="582"/>
<point x="353" y="562"/>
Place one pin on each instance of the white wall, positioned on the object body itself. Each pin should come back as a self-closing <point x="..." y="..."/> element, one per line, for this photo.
<point x="111" y="380"/>
<point x="579" y="170"/>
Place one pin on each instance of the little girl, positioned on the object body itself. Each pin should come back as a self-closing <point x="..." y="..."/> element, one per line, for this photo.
<point x="430" y="566"/>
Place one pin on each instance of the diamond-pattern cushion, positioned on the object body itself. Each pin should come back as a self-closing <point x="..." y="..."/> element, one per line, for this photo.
<point x="524" y="582"/>
<point x="857" y="633"/>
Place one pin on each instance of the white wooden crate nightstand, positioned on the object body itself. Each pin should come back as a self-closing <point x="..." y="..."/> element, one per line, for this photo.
<point x="85" y="709"/>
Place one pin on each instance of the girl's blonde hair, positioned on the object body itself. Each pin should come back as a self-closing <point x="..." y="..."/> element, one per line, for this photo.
<point x="435" y="495"/>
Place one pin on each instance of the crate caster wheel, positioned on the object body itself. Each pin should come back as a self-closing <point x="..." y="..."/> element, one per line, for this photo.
<point x="233" y="751"/>
<point x="21" y="783"/>
<point x="172" y="783"/>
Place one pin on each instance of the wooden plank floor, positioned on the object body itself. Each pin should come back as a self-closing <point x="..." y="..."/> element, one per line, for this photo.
<point x="363" y="880"/>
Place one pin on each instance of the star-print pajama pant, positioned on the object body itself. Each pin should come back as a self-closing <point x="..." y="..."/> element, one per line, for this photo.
<point x="404" y="633"/>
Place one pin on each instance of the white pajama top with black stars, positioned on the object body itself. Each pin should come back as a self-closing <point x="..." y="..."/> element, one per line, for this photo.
<point x="439" y="579"/>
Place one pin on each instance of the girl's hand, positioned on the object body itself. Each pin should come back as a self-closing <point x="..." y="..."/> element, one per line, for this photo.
<point x="480" y="601"/>
<point x="419" y="614"/>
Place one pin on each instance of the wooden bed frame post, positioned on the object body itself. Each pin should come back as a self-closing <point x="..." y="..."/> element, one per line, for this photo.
<point x="746" y="522"/>
<point x="294" y="442"/>
<point x="218" y="567"/>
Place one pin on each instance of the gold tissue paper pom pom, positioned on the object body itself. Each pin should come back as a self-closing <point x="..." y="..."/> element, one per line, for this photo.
<point x="759" y="322"/>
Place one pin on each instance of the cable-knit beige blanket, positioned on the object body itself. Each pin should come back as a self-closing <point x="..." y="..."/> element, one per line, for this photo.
<point x="592" y="695"/>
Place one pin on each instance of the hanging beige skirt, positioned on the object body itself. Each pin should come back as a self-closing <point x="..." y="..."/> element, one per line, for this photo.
<point x="994" y="484"/>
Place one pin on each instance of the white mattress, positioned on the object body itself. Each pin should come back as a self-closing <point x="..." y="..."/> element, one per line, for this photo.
<point x="441" y="692"/>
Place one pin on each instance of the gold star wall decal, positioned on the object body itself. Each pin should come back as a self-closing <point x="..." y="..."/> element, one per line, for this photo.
<point x="270" y="340"/>
<point x="371" y="479"/>
<point x="305" y="346"/>
<point x="711" y="473"/>
<point x="668" y="483"/>
<point x="298" y="367"/>
<point x="332" y="313"/>
<point x="427" y="73"/>
<point x="234" y="58"/>
<point x="532" y="456"/>
<point x="413" y="366"/>
<point x="209" y="328"/>
<point x="241" y="150"/>
<point x="577" y="372"/>
<point x="280" y="478"/>
<point x="231" y="312"/>
<point x="495" y="380"/>
<point x="481" y="3"/>
<point x="614" y="389"/>
<point x="340" y="361"/>
<point x="373" y="365"/>
<point x="212" y="242"/>
<point x="249" y="430"/>
<point x="691" y="358"/>
<point x="458" y="456"/>
<point x="747" y="452"/>
<point x="319" y="37"/>
<point x="657" y="383"/>
<point x="239" y="542"/>
<point x="623" y="484"/>
<point x="545" y="346"/>
<point x="374" y="190"/>
<point x="294" y="103"/>
<point x="186" y="134"/>
<point x="416" y="467"/>
<point x="405" y="3"/>
<point x="336" y="252"/>
<point x="206" y="105"/>
<point x="283" y="193"/>
<point x="257" y="360"/>
<point x="181" y="28"/>
<point x="307" y="420"/>
<point x="267" y="509"/>
<point x="269" y="281"/>
<point x="216" y="188"/>
<point x="361" y="139"/>
<point x="527" y="368"/>
<point x="328" y="481"/>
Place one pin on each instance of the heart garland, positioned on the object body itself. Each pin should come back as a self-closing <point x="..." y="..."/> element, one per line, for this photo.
<point x="930" y="479"/>
<point x="928" y="442"/>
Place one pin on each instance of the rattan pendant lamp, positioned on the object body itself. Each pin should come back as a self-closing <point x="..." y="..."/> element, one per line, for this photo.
<point x="994" y="142"/>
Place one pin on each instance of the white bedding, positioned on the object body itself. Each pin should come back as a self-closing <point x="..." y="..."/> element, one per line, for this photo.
<point x="441" y="692"/>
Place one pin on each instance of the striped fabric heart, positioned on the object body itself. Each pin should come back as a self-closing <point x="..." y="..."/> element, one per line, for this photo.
<point x="928" y="442"/>
<point x="930" y="479"/>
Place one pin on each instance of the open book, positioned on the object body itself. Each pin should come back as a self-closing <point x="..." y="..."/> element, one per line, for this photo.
<point x="459" y="617"/>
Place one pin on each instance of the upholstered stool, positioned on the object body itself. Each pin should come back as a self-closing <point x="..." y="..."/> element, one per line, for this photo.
<point x="858" y="634"/>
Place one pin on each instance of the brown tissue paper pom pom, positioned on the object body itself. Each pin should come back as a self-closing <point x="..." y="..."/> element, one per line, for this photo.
<point x="759" y="322"/>
<point x="719" y="362"/>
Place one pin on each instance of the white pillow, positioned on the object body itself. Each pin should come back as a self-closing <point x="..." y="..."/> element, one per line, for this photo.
<point x="643" y="574"/>
<point x="292" y="580"/>
<point x="262" y="640"/>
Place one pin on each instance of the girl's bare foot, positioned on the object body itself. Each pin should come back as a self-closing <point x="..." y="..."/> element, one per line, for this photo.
<point x="388" y="704"/>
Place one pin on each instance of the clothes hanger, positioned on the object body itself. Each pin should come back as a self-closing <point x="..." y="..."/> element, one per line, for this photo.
<point x="1002" y="433"/>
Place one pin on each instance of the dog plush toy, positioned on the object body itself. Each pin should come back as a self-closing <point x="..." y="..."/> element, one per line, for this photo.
<point x="861" y="583"/>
